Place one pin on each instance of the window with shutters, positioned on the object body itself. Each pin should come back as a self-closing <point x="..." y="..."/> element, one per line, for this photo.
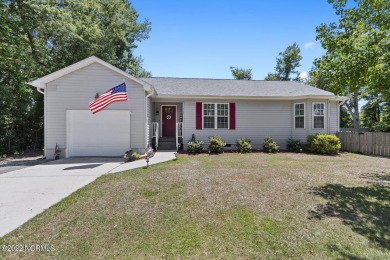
<point x="215" y="116"/>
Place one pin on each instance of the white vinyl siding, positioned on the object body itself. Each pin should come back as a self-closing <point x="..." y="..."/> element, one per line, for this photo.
<point x="333" y="117"/>
<point x="74" y="91"/>
<point x="319" y="115"/>
<point x="299" y="115"/>
<point x="254" y="120"/>
<point x="215" y="116"/>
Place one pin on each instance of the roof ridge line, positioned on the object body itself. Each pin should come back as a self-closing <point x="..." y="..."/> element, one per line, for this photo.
<point x="263" y="80"/>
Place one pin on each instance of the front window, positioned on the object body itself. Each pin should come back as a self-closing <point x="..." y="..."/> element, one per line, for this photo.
<point x="299" y="115"/>
<point x="208" y="116"/>
<point x="216" y="116"/>
<point x="319" y="115"/>
<point x="222" y="115"/>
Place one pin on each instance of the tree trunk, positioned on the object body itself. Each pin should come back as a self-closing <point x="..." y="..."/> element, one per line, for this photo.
<point x="353" y="108"/>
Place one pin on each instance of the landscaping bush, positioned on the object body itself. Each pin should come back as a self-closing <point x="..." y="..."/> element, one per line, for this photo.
<point x="294" y="145"/>
<point x="243" y="145"/>
<point x="216" y="144"/>
<point x="132" y="156"/>
<point x="195" y="147"/>
<point x="380" y="127"/>
<point x="270" y="146"/>
<point x="323" y="144"/>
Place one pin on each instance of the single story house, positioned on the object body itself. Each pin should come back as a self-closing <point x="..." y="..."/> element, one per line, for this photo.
<point x="166" y="112"/>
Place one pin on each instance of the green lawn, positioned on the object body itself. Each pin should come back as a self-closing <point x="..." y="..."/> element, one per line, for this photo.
<point x="230" y="206"/>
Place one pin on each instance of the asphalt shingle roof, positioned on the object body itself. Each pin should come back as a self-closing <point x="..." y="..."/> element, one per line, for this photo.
<point x="232" y="88"/>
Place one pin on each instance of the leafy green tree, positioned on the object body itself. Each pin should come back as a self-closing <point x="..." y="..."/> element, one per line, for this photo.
<point x="357" y="51"/>
<point x="286" y="64"/>
<point x="272" y="77"/>
<point x="39" y="37"/>
<point x="386" y="113"/>
<point x="346" y="120"/>
<point x="241" y="74"/>
<point x="372" y="110"/>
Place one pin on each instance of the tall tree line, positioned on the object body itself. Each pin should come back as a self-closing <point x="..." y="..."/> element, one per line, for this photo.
<point x="40" y="37"/>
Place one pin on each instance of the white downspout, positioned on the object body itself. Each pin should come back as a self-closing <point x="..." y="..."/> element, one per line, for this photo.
<point x="146" y="117"/>
<point x="42" y="91"/>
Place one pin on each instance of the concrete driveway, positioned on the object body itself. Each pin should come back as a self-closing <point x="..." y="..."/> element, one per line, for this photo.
<point x="27" y="192"/>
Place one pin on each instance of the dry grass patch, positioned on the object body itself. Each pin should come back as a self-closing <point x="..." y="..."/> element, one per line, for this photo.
<point x="231" y="206"/>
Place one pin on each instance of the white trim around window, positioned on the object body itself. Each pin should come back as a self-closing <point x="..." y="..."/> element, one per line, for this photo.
<point x="213" y="113"/>
<point x="318" y="112"/>
<point x="301" y="114"/>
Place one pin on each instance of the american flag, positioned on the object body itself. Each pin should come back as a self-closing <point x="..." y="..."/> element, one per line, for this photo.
<point x="114" y="94"/>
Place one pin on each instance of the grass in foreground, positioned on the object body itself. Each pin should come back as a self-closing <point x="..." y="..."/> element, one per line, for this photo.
<point x="231" y="206"/>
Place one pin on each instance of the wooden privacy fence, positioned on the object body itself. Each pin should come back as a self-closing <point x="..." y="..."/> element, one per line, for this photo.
<point x="371" y="143"/>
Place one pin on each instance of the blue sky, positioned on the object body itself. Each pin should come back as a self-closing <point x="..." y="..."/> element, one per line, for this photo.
<point x="202" y="39"/>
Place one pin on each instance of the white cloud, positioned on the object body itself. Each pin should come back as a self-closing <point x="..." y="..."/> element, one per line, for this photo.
<point x="309" y="45"/>
<point x="303" y="75"/>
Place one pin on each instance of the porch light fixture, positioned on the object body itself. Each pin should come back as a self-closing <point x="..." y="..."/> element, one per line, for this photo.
<point x="157" y="112"/>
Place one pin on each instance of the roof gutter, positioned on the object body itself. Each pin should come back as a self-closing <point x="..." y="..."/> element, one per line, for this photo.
<point x="41" y="90"/>
<point x="40" y="87"/>
<point x="342" y="100"/>
<point x="335" y="98"/>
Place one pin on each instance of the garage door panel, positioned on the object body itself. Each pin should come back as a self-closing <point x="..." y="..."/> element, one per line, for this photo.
<point x="106" y="133"/>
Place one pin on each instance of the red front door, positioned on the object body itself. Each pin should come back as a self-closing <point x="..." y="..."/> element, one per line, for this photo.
<point x="168" y="120"/>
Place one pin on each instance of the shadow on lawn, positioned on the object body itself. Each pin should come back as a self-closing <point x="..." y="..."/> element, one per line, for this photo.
<point x="365" y="209"/>
<point x="377" y="177"/>
<point x="344" y="253"/>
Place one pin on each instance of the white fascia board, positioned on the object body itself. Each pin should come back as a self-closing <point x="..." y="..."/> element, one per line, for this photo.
<point x="335" y="98"/>
<point x="41" y="82"/>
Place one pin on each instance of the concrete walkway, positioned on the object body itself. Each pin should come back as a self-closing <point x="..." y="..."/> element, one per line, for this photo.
<point x="158" y="157"/>
<point x="27" y="192"/>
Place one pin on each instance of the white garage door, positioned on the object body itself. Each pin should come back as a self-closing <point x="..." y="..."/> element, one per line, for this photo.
<point x="106" y="133"/>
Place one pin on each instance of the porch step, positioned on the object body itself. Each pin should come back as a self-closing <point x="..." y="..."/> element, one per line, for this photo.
<point x="166" y="147"/>
<point x="166" y="139"/>
<point x="166" y="143"/>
